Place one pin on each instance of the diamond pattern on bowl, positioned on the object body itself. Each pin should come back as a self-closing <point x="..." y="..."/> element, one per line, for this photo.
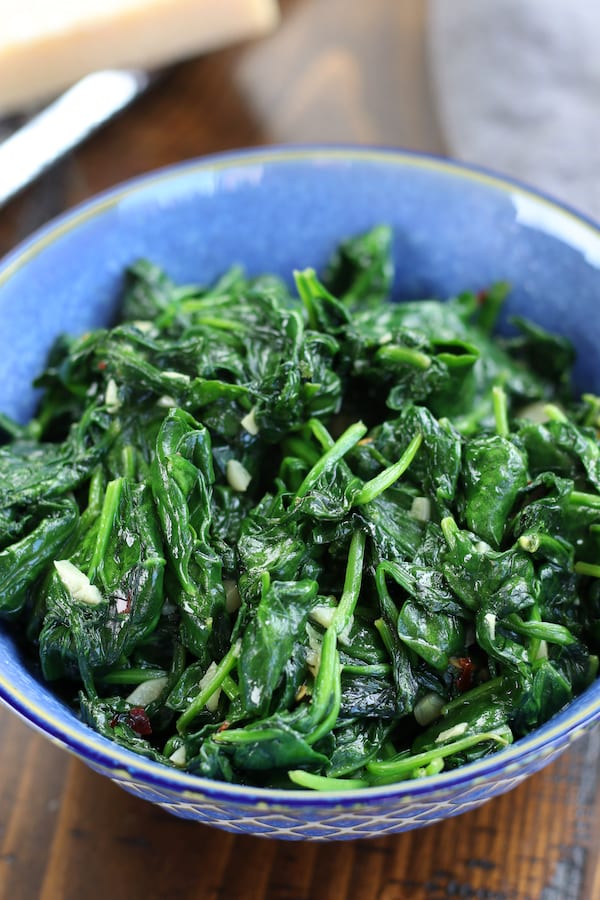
<point x="386" y="818"/>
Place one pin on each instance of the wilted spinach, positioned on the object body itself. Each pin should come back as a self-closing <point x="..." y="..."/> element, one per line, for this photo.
<point x="306" y="538"/>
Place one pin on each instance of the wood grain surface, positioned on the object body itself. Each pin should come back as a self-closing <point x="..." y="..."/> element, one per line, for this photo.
<point x="335" y="70"/>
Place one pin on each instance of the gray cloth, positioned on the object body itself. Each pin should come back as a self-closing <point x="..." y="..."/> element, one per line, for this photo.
<point x="517" y="88"/>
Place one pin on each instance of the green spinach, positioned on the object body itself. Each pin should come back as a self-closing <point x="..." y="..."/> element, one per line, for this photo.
<point x="306" y="538"/>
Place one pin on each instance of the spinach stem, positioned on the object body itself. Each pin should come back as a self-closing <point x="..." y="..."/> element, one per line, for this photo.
<point x="395" y="353"/>
<point x="326" y="698"/>
<point x="297" y="447"/>
<point x="585" y="568"/>
<point x="96" y="493"/>
<point x="476" y="693"/>
<point x="335" y="702"/>
<point x="592" y="417"/>
<point x="449" y="529"/>
<point x="230" y="688"/>
<point x="110" y="509"/>
<point x="128" y="461"/>
<point x="385" y="633"/>
<point x="555" y="413"/>
<point x="535" y="641"/>
<point x="326" y="677"/>
<point x="131" y="676"/>
<point x="367" y="669"/>
<point x="582" y="498"/>
<point x="306" y="284"/>
<point x="387" y="604"/>
<point x="321" y="433"/>
<point x="348" y="439"/>
<point x="352" y="583"/>
<point x="500" y="405"/>
<point x="324" y="782"/>
<point x="394" y="769"/>
<point x="376" y="486"/>
<point x="544" y="631"/>
<point x="223" y="669"/>
<point x="220" y="324"/>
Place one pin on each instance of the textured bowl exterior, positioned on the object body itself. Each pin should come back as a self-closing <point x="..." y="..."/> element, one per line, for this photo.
<point x="455" y="228"/>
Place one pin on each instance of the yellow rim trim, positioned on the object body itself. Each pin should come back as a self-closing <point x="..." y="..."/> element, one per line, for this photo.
<point x="92" y="208"/>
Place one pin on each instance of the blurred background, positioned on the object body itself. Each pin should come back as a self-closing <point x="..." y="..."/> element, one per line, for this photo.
<point x="509" y="84"/>
<point x="513" y="85"/>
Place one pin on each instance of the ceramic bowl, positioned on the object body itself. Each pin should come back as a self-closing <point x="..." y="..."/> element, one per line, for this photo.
<point x="275" y="210"/>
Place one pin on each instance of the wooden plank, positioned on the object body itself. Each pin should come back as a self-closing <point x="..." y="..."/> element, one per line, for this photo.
<point x="536" y="841"/>
<point x="32" y="778"/>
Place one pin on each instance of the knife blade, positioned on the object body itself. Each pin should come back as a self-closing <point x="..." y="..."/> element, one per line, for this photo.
<point x="64" y="124"/>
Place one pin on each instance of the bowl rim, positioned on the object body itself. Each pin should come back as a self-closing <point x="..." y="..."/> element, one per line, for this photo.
<point x="121" y="763"/>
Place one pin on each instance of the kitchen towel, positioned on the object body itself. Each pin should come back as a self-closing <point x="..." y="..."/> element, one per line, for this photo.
<point x="517" y="88"/>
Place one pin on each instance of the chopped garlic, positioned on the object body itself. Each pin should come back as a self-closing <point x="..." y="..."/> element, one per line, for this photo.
<point x="323" y="615"/>
<point x="534" y="412"/>
<point x="213" y="701"/>
<point x="147" y="691"/>
<point x="529" y="542"/>
<point x="111" y="397"/>
<point x="179" y="756"/>
<point x="176" y="376"/>
<point x="451" y="733"/>
<point x="428" y="708"/>
<point x="249" y="422"/>
<point x="143" y="326"/>
<point x="313" y="653"/>
<point x="237" y="475"/>
<point x="77" y="583"/>
<point x="166" y="402"/>
<point x="233" y="600"/>
<point x="313" y="661"/>
<point x="212" y="704"/>
<point x="344" y="636"/>
<point x="490" y="621"/>
<point x="255" y="695"/>
<point x="421" y="509"/>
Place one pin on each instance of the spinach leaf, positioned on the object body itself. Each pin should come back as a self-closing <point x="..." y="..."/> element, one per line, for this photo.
<point x="306" y="537"/>
<point x="269" y="639"/>
<point x="182" y="475"/>
<point x="23" y="562"/>
<point x="494" y="473"/>
<point x="106" y="599"/>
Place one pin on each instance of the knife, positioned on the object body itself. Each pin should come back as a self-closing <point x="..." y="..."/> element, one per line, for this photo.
<point x="64" y="124"/>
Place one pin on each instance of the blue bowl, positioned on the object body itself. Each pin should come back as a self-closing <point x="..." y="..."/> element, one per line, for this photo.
<point x="456" y="228"/>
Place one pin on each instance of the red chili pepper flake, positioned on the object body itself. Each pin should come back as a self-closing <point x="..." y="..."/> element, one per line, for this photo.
<point x="466" y="668"/>
<point x="114" y="721"/>
<point x="102" y="365"/>
<point x="482" y="296"/>
<point x="124" y="604"/>
<point x="224" y="726"/>
<point x="138" y="720"/>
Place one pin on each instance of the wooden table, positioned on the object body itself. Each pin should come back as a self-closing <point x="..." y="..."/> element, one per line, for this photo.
<point x="335" y="70"/>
